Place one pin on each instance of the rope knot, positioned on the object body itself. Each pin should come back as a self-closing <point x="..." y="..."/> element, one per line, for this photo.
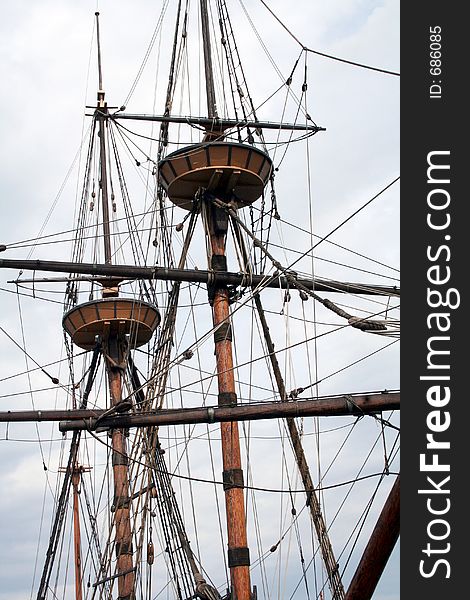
<point x="365" y="325"/>
<point x="188" y="354"/>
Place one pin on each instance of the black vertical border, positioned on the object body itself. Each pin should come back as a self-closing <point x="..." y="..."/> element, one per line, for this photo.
<point x="434" y="124"/>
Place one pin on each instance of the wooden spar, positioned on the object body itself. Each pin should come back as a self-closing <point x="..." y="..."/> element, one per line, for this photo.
<point x="337" y="406"/>
<point x="194" y="276"/>
<point x="215" y="124"/>
<point x="216" y="224"/>
<point x="326" y="548"/>
<point x="329" y="560"/>
<point x="346" y="406"/>
<point x="378" y="549"/>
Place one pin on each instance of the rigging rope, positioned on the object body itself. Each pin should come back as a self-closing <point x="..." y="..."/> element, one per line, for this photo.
<point x="64" y="494"/>
<point x="359" y="323"/>
<point x="304" y="47"/>
<point x="250" y="487"/>
<point x="148" y="51"/>
<point x="53" y="379"/>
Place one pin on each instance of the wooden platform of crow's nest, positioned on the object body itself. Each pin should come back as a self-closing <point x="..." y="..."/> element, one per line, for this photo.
<point x="230" y="171"/>
<point x="111" y="316"/>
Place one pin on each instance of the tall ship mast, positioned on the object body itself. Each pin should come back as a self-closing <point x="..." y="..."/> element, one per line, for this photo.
<point x="218" y="420"/>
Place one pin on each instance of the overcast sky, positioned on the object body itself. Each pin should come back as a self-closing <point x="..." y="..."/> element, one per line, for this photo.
<point x="48" y="74"/>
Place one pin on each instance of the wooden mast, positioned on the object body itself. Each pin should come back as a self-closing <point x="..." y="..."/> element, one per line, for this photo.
<point x="101" y="112"/>
<point x="75" y="471"/>
<point x="114" y="349"/>
<point x="210" y="89"/>
<point x="216" y="225"/>
<point x="123" y="534"/>
<point x="238" y="554"/>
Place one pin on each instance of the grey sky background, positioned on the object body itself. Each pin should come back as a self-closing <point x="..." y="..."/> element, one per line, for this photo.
<point x="48" y="74"/>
